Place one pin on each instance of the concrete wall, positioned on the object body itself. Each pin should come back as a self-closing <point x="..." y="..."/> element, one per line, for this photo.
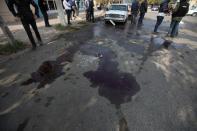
<point x="192" y="2"/>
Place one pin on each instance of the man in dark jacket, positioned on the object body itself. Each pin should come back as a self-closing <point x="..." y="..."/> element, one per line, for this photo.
<point x="24" y="12"/>
<point x="143" y="10"/>
<point x="91" y="10"/>
<point x="134" y="11"/>
<point x="43" y="7"/>
<point x="180" y="10"/>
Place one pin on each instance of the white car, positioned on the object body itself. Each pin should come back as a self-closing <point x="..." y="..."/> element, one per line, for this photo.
<point x="117" y="13"/>
<point x="155" y="8"/>
<point x="192" y="11"/>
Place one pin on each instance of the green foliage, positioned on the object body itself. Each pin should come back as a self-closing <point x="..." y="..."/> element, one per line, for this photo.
<point x="116" y="1"/>
<point x="60" y="27"/>
<point x="7" y="48"/>
<point x="154" y="1"/>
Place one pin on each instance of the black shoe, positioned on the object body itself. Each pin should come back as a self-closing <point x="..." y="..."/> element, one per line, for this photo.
<point x="48" y="26"/>
<point x="33" y="47"/>
<point x="40" y="43"/>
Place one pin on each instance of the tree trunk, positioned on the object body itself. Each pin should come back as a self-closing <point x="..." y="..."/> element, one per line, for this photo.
<point x="60" y="12"/>
<point x="7" y="32"/>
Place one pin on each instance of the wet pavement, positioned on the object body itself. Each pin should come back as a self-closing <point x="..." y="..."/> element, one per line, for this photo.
<point x="103" y="78"/>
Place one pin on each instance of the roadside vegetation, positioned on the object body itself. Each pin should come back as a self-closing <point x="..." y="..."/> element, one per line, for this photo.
<point x="6" y="49"/>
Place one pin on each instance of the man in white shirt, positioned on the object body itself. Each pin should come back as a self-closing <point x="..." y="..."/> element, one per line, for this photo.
<point x="67" y="7"/>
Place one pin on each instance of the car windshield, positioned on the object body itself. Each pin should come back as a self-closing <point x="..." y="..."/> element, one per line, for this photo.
<point x="118" y="7"/>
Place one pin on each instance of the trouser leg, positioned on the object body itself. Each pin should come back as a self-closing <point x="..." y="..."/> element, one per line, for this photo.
<point x="171" y="27"/>
<point x="87" y="15"/>
<point x="92" y="16"/>
<point x="73" y="12"/>
<point x="158" y="23"/>
<point x="28" y="31"/>
<point x="46" y="18"/>
<point x="175" y="28"/>
<point x="140" y="21"/>
<point x="68" y="12"/>
<point x="133" y="17"/>
<point x="34" y="26"/>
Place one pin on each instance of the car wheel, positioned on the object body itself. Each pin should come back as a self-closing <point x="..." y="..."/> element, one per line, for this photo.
<point x="194" y="14"/>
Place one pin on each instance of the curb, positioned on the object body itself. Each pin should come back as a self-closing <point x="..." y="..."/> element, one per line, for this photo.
<point x="4" y="59"/>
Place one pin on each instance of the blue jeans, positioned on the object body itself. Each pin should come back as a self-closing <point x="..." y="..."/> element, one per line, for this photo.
<point x="173" y="31"/>
<point x="159" y="21"/>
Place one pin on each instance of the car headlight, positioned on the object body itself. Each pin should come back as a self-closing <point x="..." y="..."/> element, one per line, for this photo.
<point x="106" y="15"/>
<point x="121" y="16"/>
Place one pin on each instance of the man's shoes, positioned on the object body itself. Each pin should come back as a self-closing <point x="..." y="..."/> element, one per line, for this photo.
<point x="40" y="43"/>
<point x="33" y="47"/>
<point x="155" y="32"/>
<point x="48" y="26"/>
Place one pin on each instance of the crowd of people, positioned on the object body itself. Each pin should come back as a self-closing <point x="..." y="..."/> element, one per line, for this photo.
<point x="177" y="11"/>
<point x="22" y="10"/>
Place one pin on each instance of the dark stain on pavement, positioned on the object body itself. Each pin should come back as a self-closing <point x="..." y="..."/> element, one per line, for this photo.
<point x="49" y="71"/>
<point x="114" y="85"/>
<point x="4" y="94"/>
<point x="37" y="100"/>
<point x="49" y="101"/>
<point x="46" y="74"/>
<point x="22" y="126"/>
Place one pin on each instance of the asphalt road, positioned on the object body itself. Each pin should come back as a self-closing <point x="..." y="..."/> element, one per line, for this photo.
<point x="102" y="78"/>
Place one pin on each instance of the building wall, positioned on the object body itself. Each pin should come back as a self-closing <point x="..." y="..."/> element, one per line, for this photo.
<point x="193" y="2"/>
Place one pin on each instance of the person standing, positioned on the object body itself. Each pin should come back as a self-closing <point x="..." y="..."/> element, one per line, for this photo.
<point x="43" y="7"/>
<point x="67" y="7"/>
<point x="143" y="10"/>
<point x="91" y="10"/>
<point x="24" y="12"/>
<point x="134" y="11"/>
<point x="87" y="9"/>
<point x="163" y="10"/>
<point x="180" y="10"/>
<point x="73" y="9"/>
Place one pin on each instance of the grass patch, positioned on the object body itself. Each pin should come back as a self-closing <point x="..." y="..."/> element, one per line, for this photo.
<point x="72" y="29"/>
<point x="66" y="28"/>
<point x="60" y="27"/>
<point x="82" y="22"/>
<point x="6" y="49"/>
